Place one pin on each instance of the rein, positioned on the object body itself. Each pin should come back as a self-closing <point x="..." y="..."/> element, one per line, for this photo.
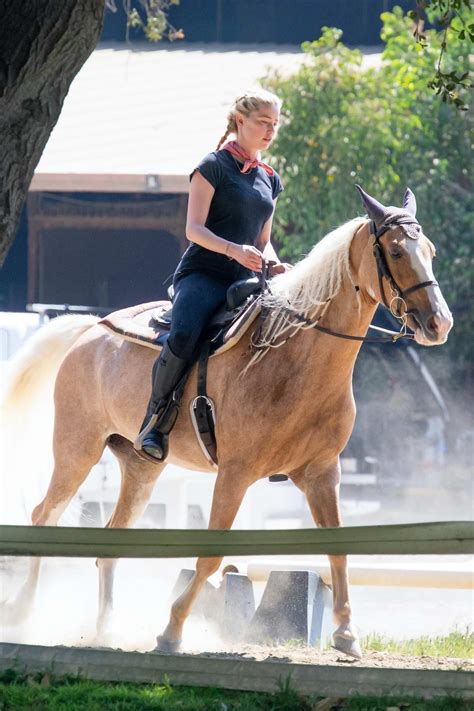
<point x="391" y="337"/>
<point x="398" y="296"/>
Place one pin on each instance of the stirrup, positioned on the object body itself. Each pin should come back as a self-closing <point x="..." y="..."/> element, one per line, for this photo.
<point x="152" y="422"/>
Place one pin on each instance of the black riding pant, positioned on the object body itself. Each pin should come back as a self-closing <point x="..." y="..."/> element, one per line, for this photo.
<point x="197" y="296"/>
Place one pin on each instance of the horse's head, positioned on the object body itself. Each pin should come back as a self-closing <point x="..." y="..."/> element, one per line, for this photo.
<point x="404" y="256"/>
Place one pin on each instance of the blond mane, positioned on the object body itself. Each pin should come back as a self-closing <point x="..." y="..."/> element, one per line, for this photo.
<point x="307" y="288"/>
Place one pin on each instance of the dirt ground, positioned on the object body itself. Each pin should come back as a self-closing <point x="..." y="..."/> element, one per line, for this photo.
<point x="308" y="655"/>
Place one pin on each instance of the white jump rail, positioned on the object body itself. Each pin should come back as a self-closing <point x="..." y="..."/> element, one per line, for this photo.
<point x="379" y="574"/>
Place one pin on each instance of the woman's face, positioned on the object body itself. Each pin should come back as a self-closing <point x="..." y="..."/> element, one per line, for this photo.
<point x="258" y="130"/>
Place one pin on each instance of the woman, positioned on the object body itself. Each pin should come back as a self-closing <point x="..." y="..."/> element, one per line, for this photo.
<point x="231" y="204"/>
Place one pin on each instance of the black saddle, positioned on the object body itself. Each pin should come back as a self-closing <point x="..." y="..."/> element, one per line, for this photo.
<point x="238" y="295"/>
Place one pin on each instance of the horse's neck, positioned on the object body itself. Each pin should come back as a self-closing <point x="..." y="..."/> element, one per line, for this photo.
<point x="345" y="315"/>
<point x="349" y="312"/>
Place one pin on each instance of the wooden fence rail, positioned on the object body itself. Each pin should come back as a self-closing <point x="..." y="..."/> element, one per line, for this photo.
<point x="447" y="537"/>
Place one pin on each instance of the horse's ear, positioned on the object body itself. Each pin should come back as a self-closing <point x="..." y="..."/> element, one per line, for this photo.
<point x="375" y="210"/>
<point x="409" y="202"/>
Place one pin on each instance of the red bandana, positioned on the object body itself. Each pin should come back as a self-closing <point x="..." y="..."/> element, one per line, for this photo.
<point x="249" y="163"/>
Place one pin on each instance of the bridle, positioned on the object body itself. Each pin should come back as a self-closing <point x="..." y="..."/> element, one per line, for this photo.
<point x="395" y="305"/>
<point x="398" y="295"/>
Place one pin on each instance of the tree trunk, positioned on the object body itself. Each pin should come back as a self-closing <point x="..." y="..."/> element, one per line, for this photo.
<point x="43" y="44"/>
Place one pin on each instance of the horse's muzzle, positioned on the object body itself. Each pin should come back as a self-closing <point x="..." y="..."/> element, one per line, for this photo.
<point x="431" y="329"/>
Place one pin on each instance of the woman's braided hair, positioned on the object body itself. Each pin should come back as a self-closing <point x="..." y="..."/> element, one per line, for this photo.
<point x="251" y="101"/>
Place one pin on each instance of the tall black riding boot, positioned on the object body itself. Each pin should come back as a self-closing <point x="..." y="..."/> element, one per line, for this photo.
<point x="162" y="411"/>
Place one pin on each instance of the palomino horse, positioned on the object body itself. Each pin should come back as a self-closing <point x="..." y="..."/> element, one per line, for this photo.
<point x="291" y="411"/>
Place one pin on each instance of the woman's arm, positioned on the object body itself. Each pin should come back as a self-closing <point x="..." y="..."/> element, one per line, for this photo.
<point x="263" y="242"/>
<point x="200" y="196"/>
<point x="265" y="246"/>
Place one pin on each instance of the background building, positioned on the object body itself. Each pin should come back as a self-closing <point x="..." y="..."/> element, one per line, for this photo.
<point x="104" y="221"/>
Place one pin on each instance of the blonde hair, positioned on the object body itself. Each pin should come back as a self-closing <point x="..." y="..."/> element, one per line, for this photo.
<point x="246" y="104"/>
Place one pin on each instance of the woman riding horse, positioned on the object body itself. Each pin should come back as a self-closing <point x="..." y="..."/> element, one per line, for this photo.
<point x="231" y="205"/>
<point x="292" y="413"/>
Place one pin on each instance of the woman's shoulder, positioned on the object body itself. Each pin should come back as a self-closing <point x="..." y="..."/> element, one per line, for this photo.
<point x="277" y="185"/>
<point x="215" y="157"/>
<point x="212" y="166"/>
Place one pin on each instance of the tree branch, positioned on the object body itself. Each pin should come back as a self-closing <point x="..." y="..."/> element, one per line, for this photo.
<point x="43" y="44"/>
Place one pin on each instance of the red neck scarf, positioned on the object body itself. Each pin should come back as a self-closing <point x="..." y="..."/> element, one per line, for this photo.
<point x="249" y="163"/>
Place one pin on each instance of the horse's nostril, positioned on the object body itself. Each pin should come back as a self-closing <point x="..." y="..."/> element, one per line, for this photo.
<point x="438" y="324"/>
<point x="432" y="324"/>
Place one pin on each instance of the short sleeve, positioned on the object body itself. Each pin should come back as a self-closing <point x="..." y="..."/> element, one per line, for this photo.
<point x="210" y="168"/>
<point x="277" y="186"/>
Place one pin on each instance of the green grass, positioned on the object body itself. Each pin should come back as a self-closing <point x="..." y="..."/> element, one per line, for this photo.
<point x="457" y="644"/>
<point x="43" y="693"/>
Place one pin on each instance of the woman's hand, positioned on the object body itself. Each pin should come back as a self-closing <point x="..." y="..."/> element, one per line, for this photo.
<point x="280" y="268"/>
<point x="250" y="257"/>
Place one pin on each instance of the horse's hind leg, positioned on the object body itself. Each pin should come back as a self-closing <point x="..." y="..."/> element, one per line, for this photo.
<point x="138" y="480"/>
<point x="75" y="453"/>
<point x="229" y="490"/>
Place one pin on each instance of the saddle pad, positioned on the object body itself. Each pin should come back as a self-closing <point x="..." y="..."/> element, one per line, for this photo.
<point x="138" y="325"/>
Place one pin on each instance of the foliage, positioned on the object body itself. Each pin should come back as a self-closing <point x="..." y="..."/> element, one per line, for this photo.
<point x="151" y="17"/>
<point x="455" y="18"/>
<point x="344" y="124"/>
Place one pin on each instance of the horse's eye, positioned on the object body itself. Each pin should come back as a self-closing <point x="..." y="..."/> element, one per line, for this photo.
<point x="396" y="255"/>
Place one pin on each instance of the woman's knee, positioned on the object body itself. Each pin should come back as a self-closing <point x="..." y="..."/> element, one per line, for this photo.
<point x="182" y="342"/>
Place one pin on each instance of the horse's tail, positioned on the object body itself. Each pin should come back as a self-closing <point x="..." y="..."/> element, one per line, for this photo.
<point x="27" y="408"/>
<point x="27" y="416"/>
<point x="36" y="363"/>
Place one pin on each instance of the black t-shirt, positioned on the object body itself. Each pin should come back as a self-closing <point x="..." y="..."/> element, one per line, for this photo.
<point x="240" y="206"/>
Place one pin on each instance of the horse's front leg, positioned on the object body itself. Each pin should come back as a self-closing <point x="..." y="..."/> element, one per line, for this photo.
<point x="322" y="492"/>
<point x="229" y="490"/>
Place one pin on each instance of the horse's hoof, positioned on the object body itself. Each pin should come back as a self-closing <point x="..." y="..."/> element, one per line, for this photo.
<point x="348" y="645"/>
<point x="167" y="646"/>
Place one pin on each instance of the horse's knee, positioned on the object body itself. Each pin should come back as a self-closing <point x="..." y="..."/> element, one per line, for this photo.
<point x="44" y="515"/>
<point x="36" y="513"/>
<point x="205" y="567"/>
